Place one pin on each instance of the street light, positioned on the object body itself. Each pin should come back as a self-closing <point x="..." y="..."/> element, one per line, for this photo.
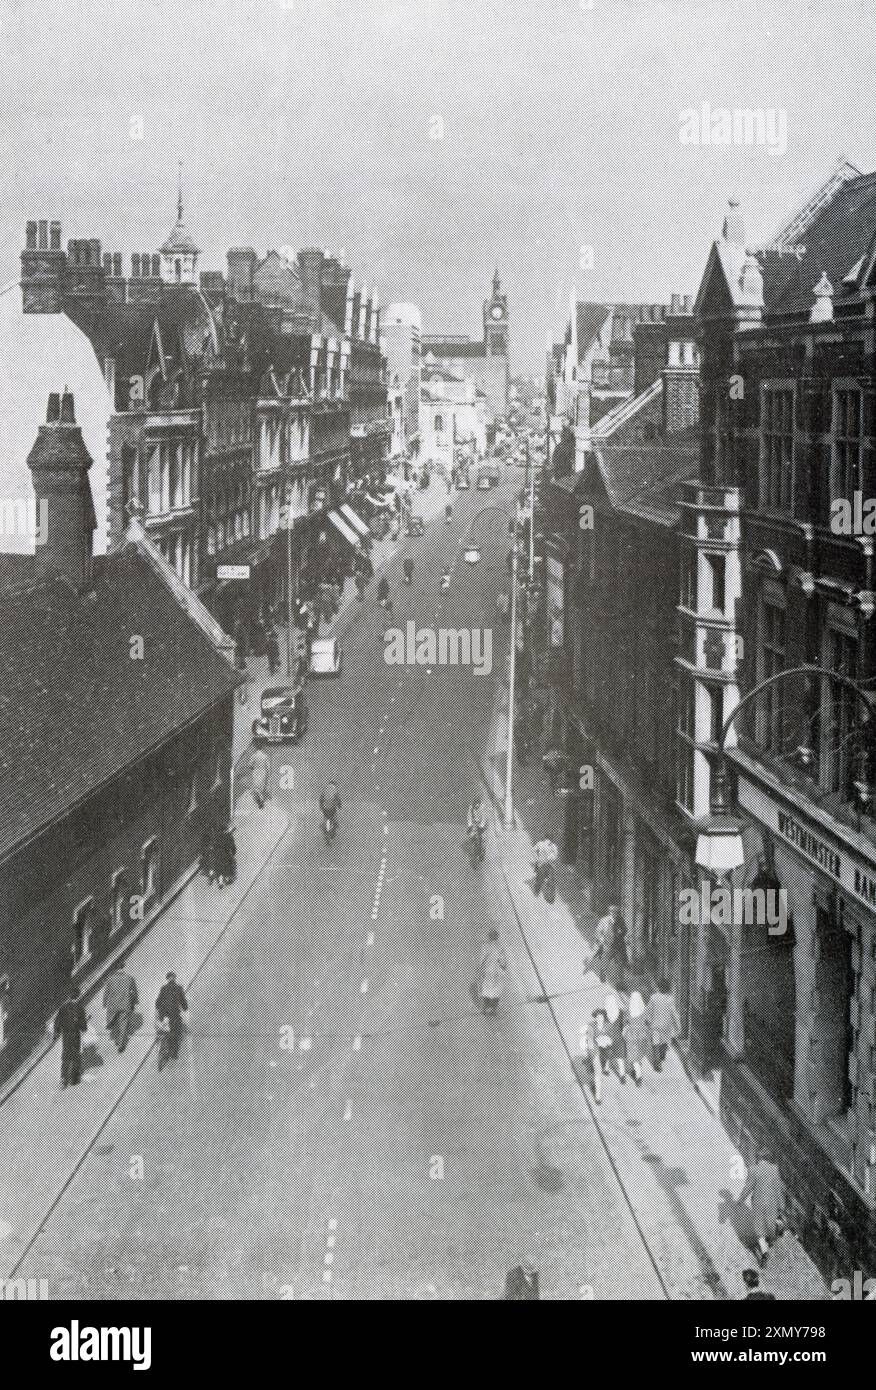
<point x="472" y="554"/>
<point x="719" y="842"/>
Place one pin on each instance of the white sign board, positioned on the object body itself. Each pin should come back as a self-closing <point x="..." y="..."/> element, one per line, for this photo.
<point x="232" y="571"/>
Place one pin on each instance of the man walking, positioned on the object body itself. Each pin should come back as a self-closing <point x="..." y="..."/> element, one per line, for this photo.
<point x="605" y="930"/>
<point x="119" y="1000"/>
<point x="663" y="1021"/>
<point x="764" y="1187"/>
<point x="70" y="1024"/>
<point x="170" y="1006"/>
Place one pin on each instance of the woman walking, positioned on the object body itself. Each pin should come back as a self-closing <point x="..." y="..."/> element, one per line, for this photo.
<point x="491" y="973"/>
<point x="636" y="1035"/>
<point x="615" y="1028"/>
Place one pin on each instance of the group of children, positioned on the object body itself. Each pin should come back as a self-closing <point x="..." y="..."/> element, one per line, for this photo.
<point x="621" y="1036"/>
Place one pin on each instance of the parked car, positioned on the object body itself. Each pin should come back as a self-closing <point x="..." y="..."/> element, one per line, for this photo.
<point x="325" y="657"/>
<point x="283" y="715"/>
<point x="488" y="476"/>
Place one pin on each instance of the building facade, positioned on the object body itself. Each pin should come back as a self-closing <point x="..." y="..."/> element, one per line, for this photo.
<point x="96" y="831"/>
<point x="486" y="362"/>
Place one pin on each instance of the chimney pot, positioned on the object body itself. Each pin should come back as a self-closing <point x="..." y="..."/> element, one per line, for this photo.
<point x="68" y="416"/>
<point x="30" y="235"/>
<point x="44" y="236"/>
<point x="675" y="304"/>
<point x="53" y="410"/>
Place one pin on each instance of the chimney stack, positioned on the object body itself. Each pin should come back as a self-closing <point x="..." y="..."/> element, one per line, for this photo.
<point x="241" y="268"/>
<point x="310" y="271"/>
<point x="59" y="464"/>
<point x="43" y="268"/>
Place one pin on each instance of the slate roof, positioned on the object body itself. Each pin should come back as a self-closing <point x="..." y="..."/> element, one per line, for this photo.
<point x="841" y="233"/>
<point x="643" y="479"/>
<point x="179" y="242"/>
<point x="75" y="708"/>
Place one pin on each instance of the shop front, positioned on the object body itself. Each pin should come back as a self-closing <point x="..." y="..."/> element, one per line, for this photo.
<point x="799" y="1032"/>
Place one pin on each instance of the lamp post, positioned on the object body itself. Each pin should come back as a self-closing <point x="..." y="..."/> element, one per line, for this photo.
<point x="719" y="843"/>
<point x="471" y="555"/>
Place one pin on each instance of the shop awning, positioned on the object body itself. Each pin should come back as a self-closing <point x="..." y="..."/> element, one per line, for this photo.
<point x="346" y="531"/>
<point x="355" y="521"/>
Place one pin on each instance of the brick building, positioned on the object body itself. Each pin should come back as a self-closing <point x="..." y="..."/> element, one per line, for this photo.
<point x="116" y="718"/>
<point x="788" y="354"/>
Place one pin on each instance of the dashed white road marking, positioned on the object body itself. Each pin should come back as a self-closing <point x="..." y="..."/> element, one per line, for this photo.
<point x="363" y="988"/>
<point x="357" y="1043"/>
<point x="348" y="1115"/>
<point x="369" y="941"/>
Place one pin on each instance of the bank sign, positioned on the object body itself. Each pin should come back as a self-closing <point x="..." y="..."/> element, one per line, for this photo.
<point x="855" y="876"/>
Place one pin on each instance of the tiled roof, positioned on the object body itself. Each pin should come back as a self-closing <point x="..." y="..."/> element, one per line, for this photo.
<point x="179" y="242"/>
<point x="75" y="707"/>
<point x="840" y="234"/>
<point x="643" y="479"/>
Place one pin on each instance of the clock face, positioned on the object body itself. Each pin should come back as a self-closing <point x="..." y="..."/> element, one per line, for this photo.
<point x="496" y="311"/>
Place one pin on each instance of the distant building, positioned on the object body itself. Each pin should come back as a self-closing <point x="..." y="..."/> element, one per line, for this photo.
<point x="452" y="415"/>
<point x="116" y="722"/>
<point x="485" y="361"/>
<point x="400" y="338"/>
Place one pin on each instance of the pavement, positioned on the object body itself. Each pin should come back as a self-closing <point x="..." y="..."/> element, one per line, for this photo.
<point x="675" y="1159"/>
<point x="343" y="1122"/>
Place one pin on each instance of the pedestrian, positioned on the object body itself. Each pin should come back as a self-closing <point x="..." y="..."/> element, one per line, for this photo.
<point x="70" y="1023"/>
<point x="614" y="1022"/>
<point x="521" y="1283"/>
<point x="764" y="1187"/>
<point x="544" y="856"/>
<point x="119" y="999"/>
<point x="591" y="1058"/>
<point x="491" y="973"/>
<point x="604" y="941"/>
<point x="170" y="1006"/>
<point x="618" y="960"/>
<point x="259" y="771"/>
<point x="751" y="1280"/>
<point x="503" y="605"/>
<point x="272" y="647"/>
<point x="336" y="593"/>
<point x="603" y="1043"/>
<point x="225" y="856"/>
<point x="636" y="1035"/>
<point x="663" y="1021"/>
<point x="207" y="859"/>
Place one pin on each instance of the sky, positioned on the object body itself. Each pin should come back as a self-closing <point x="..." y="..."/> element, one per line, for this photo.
<point x="431" y="140"/>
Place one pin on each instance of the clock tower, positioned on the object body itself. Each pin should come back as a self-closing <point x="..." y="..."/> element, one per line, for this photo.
<point x="496" y="321"/>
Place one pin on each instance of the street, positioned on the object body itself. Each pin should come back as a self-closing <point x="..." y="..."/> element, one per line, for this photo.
<point x="342" y="1121"/>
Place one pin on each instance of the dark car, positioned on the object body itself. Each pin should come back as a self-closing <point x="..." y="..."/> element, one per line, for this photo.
<point x="283" y="715"/>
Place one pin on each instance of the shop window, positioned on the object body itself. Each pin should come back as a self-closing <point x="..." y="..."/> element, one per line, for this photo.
<point x="119" y="901"/>
<point x="149" y="870"/>
<point x="83" y="932"/>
